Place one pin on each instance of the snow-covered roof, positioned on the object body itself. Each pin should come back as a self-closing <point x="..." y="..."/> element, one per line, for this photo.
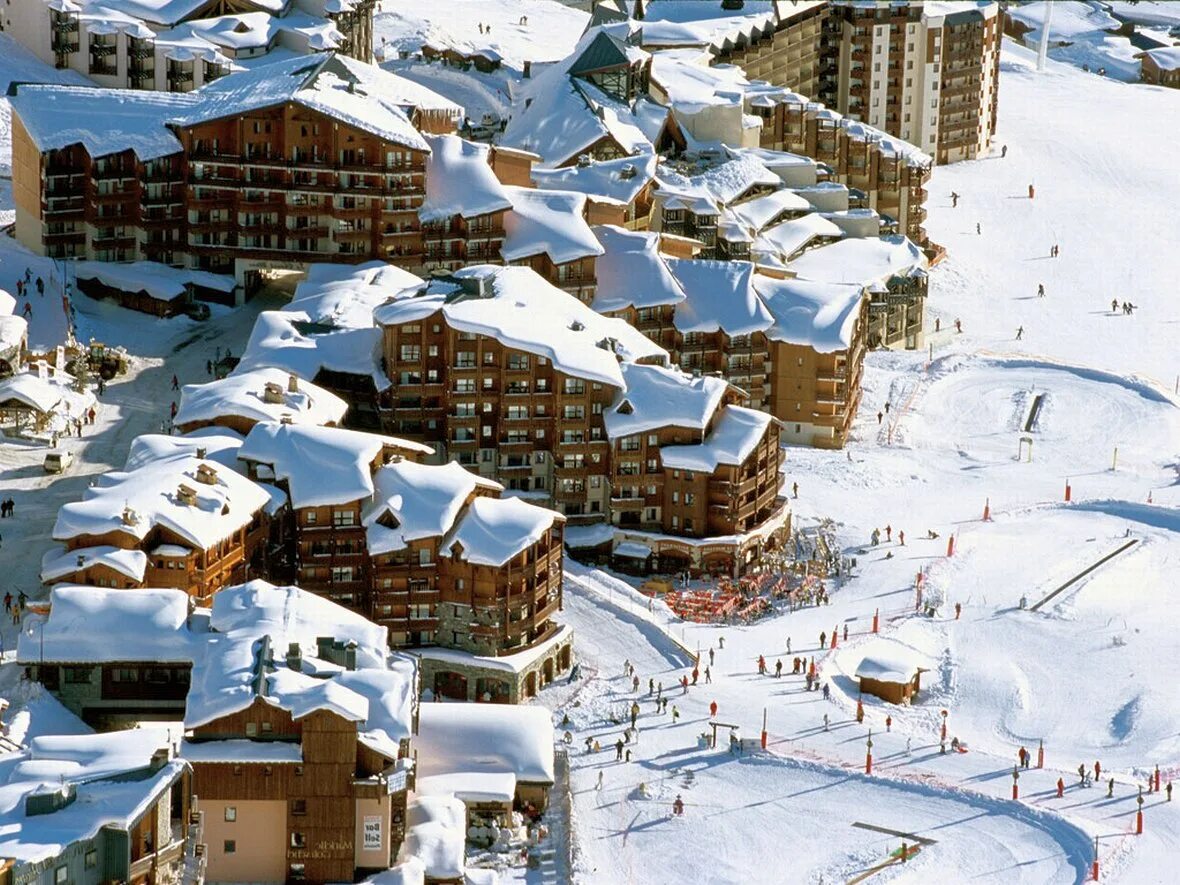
<point x="689" y="23"/>
<point x="657" y="397"/>
<point x="755" y="214"/>
<point x="486" y="738"/>
<point x="718" y="295"/>
<point x="322" y="465"/>
<point x="631" y="272"/>
<point x="613" y="181"/>
<point x="493" y="530"/>
<point x="349" y="91"/>
<point x="228" y="677"/>
<point x="860" y="260"/>
<point x="40" y="394"/>
<point x="1167" y="57"/>
<point x="819" y="315"/>
<point x="724" y="182"/>
<point x="103" y="121"/>
<point x="160" y="281"/>
<point x="58" y="562"/>
<point x="242" y="750"/>
<point x="460" y="180"/>
<point x="734" y="437"/>
<point x="220" y="445"/>
<point x="422" y="501"/>
<point x="887" y="666"/>
<point x="777" y="245"/>
<point x="137" y="501"/>
<point x="1070" y="21"/>
<point x="469" y="786"/>
<point x="92" y="625"/>
<point x="277" y="341"/>
<point x="245" y="395"/>
<point x="343" y="296"/>
<point x="522" y="310"/>
<point x="112" y="779"/>
<point x="549" y="222"/>
<point x="691" y="83"/>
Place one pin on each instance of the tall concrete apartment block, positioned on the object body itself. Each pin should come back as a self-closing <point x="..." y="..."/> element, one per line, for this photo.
<point x="925" y="72"/>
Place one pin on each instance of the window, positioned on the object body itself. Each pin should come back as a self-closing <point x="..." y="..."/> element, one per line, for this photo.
<point x="251" y="730"/>
<point x="518" y="361"/>
<point x="298" y="840"/>
<point x="575" y="386"/>
<point x="465" y="385"/>
<point x="465" y="359"/>
<point x="689" y="498"/>
<point x="125" y="674"/>
<point x="230" y="846"/>
<point x="410" y="353"/>
<point x="309" y="517"/>
<point x="77" y="675"/>
<point x="299" y="806"/>
<point x="91" y="860"/>
<point x="573" y="413"/>
<point x="653" y="439"/>
<point x="343" y="518"/>
<point x="231" y="811"/>
<point x="267" y="728"/>
<point x="341" y="574"/>
<point x="61" y="875"/>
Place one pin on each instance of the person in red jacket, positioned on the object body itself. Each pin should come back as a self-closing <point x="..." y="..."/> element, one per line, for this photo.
<point x="713" y="709"/>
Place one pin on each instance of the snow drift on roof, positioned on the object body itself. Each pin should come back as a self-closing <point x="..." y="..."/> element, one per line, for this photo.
<point x="614" y="181"/>
<point x="495" y="738"/>
<point x="493" y="530"/>
<point x="718" y="295"/>
<point x="657" y="397"/>
<point x="421" y="500"/>
<point x="631" y="272"/>
<point x="220" y="445"/>
<point x="734" y="437"/>
<point x="460" y="181"/>
<point x="861" y="261"/>
<point x="526" y="312"/>
<point x="58" y="562"/>
<point x="322" y="465"/>
<point x="778" y="244"/>
<point x="548" y="222"/>
<point x="819" y="315"/>
<point x="276" y="341"/>
<point x="243" y="395"/>
<point x="136" y="501"/>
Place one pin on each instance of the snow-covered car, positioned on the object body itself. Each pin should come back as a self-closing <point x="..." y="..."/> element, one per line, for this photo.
<point x="58" y="461"/>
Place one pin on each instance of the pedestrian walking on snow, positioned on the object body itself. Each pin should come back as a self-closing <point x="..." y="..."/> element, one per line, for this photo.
<point x="175" y="383"/>
<point x="659" y="691"/>
<point x="888" y="723"/>
<point x="1168" y="790"/>
<point x="708" y="676"/>
<point x="1110" y="789"/>
<point x="827" y="691"/>
<point x="954" y="200"/>
<point x="778" y="669"/>
<point x="721" y="641"/>
<point x="788" y="645"/>
<point x="889" y="532"/>
<point x="710" y="656"/>
<point x="795" y="489"/>
<point x="8" y="602"/>
<point x="900" y="540"/>
<point x="1060" y="788"/>
<point x="1040" y="290"/>
<point x="635" y="683"/>
<point x="634" y="713"/>
<point x="880" y="417"/>
<point x="825" y="721"/>
<point x="1097" y="770"/>
<point x="958" y="325"/>
<point x="675" y="714"/>
<point x="598" y="786"/>
<point x="846" y="626"/>
<point x="1032" y="192"/>
<point x="978" y="232"/>
<point x="619" y="750"/>
<point x="684" y="685"/>
<point x="1019" y="332"/>
<point x="695" y="675"/>
<point x="1003" y="151"/>
<point x="823" y="639"/>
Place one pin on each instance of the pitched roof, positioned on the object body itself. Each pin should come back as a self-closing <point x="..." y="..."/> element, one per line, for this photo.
<point x="657" y="397"/>
<point x="605" y="50"/>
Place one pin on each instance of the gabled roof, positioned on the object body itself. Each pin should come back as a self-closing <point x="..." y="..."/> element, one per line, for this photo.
<point x="656" y="398"/>
<point x="819" y="315"/>
<point x="460" y="181"/>
<point x="862" y="261"/>
<point x="605" y="50"/>
<point x="244" y="395"/>
<point x="493" y="530"/>
<point x="734" y="437"/>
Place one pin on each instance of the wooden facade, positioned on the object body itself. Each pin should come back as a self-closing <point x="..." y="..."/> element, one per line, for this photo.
<point x="316" y="800"/>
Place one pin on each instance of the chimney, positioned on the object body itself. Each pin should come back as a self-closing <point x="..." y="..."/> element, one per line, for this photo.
<point x="46" y="800"/>
<point x="294" y="657"/>
<point x="292" y="383"/>
<point x="528" y="69"/>
<point x="130" y="517"/>
<point x="286" y="419"/>
<point x="350" y="656"/>
<point x="272" y="393"/>
<point x="202" y="452"/>
<point x="584" y="160"/>
<point x="206" y="475"/>
<point x="187" y="494"/>
<point x="628" y="172"/>
<point x="160" y="758"/>
<point x="81" y="561"/>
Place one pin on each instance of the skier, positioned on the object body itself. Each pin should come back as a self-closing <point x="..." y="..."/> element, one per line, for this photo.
<point x="1168" y="790"/>
<point x="880" y="417"/>
<point x="889" y="532"/>
<point x="619" y="750"/>
<point x="1060" y="788"/>
<point x="958" y="325"/>
<point x="823" y="639"/>
<point x="695" y="675"/>
<point x="1110" y="789"/>
<point x="684" y="685"/>
<point x="907" y="745"/>
<point x="634" y="713"/>
<point x="846" y="631"/>
<point x="8" y="601"/>
<point x="708" y="676"/>
<point x="825" y="721"/>
<point x="721" y="641"/>
<point x="978" y="232"/>
<point x="710" y="657"/>
<point x="678" y="807"/>
<point x="713" y="709"/>
<point x="900" y="540"/>
<point x="958" y="610"/>
<point x="675" y="714"/>
<point x="778" y="668"/>
<point x="598" y="786"/>
<point x="876" y="536"/>
<point x="1003" y="151"/>
<point x="795" y="489"/>
<point x="173" y="410"/>
<point x="954" y="200"/>
<point x="888" y="723"/>
<point x="1082" y="775"/>
<point x="1019" y="332"/>
<point x="1031" y="192"/>
<point x="1097" y="770"/>
<point x="175" y="383"/>
<point x="827" y="691"/>
<point x="788" y="645"/>
<point x="651" y="687"/>
<point x="937" y="323"/>
<point x="761" y="665"/>
<point x="635" y="683"/>
<point x="1040" y="290"/>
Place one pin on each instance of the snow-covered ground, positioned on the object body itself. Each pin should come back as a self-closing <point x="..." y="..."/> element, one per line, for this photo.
<point x="1084" y="673"/>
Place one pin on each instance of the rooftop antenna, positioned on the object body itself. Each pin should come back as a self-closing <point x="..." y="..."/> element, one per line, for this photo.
<point x="1043" y="50"/>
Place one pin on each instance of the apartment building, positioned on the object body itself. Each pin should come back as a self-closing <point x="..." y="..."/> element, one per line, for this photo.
<point x="688" y="461"/>
<point x="177" y="46"/>
<point x="925" y="72"/>
<point x="508" y="375"/>
<point x="179" y="521"/>
<point x="816" y="357"/>
<point x="311" y="158"/>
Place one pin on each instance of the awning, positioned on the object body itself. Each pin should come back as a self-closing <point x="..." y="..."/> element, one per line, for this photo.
<point x="633" y="550"/>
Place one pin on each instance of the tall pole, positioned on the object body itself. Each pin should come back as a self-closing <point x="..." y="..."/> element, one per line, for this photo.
<point x="1043" y="50"/>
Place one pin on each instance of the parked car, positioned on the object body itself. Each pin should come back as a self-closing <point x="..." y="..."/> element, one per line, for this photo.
<point x="58" y="461"/>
